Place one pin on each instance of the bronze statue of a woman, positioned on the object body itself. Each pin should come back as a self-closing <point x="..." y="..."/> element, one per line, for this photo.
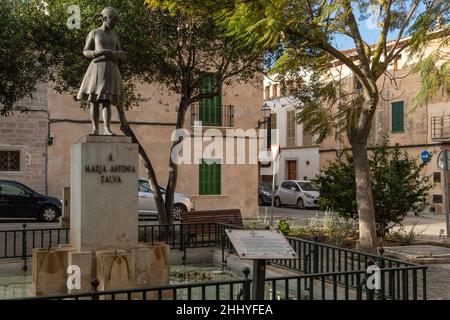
<point x="102" y="83"/>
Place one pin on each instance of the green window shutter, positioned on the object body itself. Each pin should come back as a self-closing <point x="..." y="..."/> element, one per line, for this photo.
<point x="209" y="178"/>
<point x="397" y="116"/>
<point x="210" y="109"/>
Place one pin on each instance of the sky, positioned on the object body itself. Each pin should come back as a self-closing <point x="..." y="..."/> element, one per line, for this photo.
<point x="369" y="31"/>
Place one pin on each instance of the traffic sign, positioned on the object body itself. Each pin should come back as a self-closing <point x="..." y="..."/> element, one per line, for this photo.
<point x="425" y="156"/>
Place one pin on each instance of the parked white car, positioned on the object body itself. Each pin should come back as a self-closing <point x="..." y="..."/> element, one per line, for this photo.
<point x="147" y="204"/>
<point x="300" y="193"/>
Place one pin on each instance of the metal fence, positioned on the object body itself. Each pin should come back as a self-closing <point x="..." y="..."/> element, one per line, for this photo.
<point x="440" y="128"/>
<point x="398" y="278"/>
<point x="321" y="286"/>
<point x="216" y="115"/>
<point x="320" y="263"/>
<point x="19" y="243"/>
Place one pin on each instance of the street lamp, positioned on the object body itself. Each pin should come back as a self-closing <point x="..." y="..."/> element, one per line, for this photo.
<point x="275" y="152"/>
<point x="265" y="110"/>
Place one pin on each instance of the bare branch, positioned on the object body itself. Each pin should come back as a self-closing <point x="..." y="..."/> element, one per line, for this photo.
<point x="402" y="30"/>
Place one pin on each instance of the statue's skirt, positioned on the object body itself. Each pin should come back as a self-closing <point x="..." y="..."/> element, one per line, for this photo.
<point x="102" y="81"/>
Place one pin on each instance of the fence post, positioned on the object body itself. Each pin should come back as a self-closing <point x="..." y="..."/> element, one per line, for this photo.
<point x="370" y="292"/>
<point x="24" y="247"/>
<point x="315" y="253"/>
<point x="95" y="283"/>
<point x="246" y="285"/>
<point x="222" y="240"/>
<point x="183" y="243"/>
<point x="424" y="283"/>
<point x="381" y="292"/>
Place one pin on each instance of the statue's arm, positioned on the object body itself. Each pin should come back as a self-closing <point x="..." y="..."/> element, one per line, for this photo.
<point x="119" y="54"/>
<point x="89" y="48"/>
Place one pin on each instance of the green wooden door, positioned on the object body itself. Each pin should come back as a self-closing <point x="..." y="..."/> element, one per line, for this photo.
<point x="210" y="109"/>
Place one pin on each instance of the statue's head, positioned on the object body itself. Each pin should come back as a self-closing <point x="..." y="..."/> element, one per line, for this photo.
<point x="110" y="16"/>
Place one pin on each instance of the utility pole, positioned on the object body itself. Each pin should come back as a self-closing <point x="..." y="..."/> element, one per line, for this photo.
<point x="446" y="199"/>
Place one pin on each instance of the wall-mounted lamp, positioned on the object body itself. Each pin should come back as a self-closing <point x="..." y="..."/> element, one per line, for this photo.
<point x="50" y="138"/>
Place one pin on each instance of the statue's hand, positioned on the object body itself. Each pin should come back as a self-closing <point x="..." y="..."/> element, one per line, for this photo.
<point x="108" y="54"/>
<point x="101" y="52"/>
<point x="120" y="55"/>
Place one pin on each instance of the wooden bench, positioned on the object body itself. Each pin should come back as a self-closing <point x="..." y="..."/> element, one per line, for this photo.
<point x="202" y="225"/>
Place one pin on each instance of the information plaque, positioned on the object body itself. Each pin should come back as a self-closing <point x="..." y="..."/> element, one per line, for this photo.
<point x="260" y="244"/>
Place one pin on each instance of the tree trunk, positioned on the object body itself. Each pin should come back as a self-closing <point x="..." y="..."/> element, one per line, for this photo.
<point x="173" y="167"/>
<point x="126" y="129"/>
<point x="366" y="213"/>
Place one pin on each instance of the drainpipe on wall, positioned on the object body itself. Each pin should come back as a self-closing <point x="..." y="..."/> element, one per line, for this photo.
<point x="47" y="142"/>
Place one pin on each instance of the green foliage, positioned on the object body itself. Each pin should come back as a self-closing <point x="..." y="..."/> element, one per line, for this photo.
<point x="434" y="71"/>
<point x="22" y="57"/>
<point x="338" y="187"/>
<point x="65" y="46"/>
<point x="257" y="225"/>
<point x="398" y="185"/>
<point x="302" y="36"/>
<point x="174" y="50"/>
<point x="283" y="227"/>
<point x="330" y="229"/>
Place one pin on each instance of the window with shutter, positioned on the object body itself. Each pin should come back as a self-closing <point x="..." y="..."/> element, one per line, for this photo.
<point x="210" y="109"/>
<point x="290" y="129"/>
<point x="397" y="116"/>
<point x="210" y="177"/>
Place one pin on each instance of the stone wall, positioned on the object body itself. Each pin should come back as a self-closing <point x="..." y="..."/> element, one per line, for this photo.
<point x="27" y="132"/>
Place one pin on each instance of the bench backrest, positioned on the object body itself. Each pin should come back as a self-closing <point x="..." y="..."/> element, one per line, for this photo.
<point x="226" y="216"/>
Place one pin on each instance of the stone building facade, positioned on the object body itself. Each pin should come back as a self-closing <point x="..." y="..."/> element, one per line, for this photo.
<point x="425" y="128"/>
<point x="62" y="122"/>
<point x="299" y="152"/>
<point x="24" y="143"/>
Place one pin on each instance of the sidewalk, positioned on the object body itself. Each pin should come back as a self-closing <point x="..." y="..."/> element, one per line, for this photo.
<point x="428" y="226"/>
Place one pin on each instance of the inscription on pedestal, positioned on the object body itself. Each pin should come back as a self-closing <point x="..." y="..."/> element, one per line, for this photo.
<point x="109" y="173"/>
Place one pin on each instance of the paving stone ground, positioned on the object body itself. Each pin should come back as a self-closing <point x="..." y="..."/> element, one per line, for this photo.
<point x="438" y="282"/>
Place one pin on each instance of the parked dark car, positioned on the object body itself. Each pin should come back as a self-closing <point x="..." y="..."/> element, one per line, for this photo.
<point x="265" y="193"/>
<point x="19" y="201"/>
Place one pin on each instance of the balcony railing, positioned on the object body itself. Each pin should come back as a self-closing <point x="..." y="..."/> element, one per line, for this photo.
<point x="213" y="116"/>
<point x="440" y="128"/>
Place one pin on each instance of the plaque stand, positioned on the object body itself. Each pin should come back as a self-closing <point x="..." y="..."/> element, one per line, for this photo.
<point x="260" y="246"/>
<point x="259" y="279"/>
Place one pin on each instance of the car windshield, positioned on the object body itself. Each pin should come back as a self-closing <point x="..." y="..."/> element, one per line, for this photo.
<point x="266" y="186"/>
<point x="308" y="186"/>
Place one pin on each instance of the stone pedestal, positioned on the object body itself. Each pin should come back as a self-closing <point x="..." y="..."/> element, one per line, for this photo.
<point x="103" y="225"/>
<point x="64" y="221"/>
<point x="104" y="194"/>
<point x="49" y="271"/>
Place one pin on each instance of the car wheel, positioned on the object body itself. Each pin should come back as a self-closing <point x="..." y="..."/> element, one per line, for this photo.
<point x="278" y="202"/>
<point x="300" y="203"/>
<point x="49" y="214"/>
<point x="177" y="210"/>
<point x="260" y="202"/>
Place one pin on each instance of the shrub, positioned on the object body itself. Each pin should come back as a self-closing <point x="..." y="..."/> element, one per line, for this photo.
<point x="283" y="227"/>
<point x="398" y="184"/>
<point x="402" y="236"/>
